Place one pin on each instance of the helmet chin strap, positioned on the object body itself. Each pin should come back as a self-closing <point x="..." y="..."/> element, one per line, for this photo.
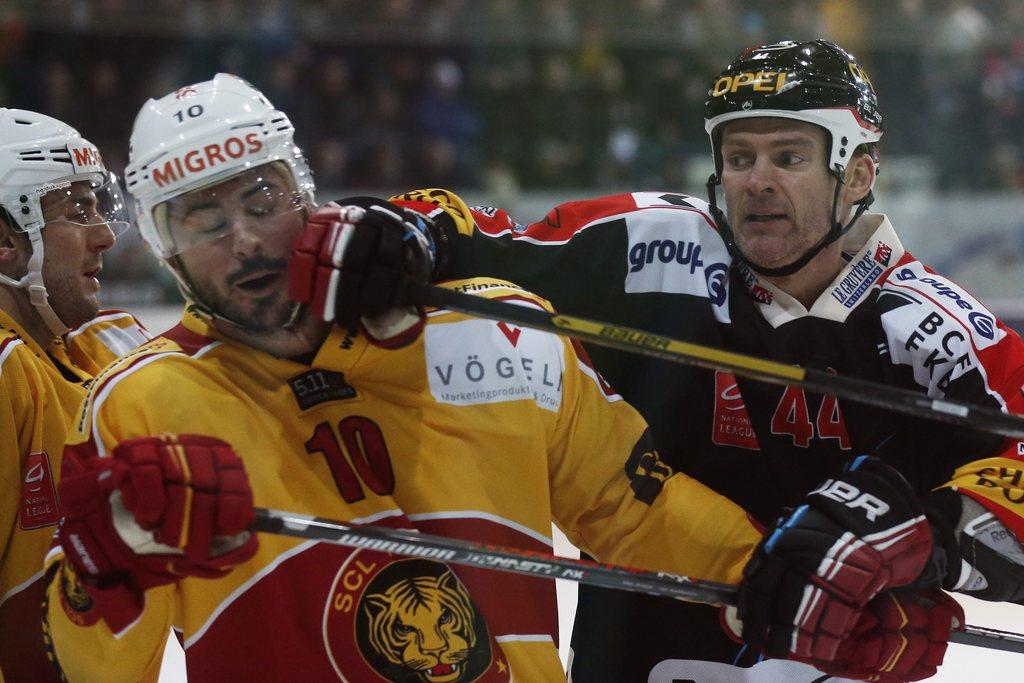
<point x="836" y="231"/>
<point x="33" y="282"/>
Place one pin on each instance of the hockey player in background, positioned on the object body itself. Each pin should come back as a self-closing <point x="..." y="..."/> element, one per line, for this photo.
<point x="454" y="426"/>
<point x="60" y="210"/>
<point x="801" y="274"/>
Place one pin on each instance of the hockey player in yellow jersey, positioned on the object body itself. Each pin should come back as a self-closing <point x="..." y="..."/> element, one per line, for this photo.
<point x="476" y="430"/>
<point x="60" y="210"/>
<point x="472" y="429"/>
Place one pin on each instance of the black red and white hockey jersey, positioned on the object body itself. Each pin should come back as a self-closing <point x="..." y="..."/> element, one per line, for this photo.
<point x="655" y="261"/>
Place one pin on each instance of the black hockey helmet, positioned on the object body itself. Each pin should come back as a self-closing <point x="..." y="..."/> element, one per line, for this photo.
<point x="817" y="82"/>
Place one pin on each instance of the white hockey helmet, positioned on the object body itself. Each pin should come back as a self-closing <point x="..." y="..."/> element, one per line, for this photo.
<point x="41" y="157"/>
<point x="196" y="137"/>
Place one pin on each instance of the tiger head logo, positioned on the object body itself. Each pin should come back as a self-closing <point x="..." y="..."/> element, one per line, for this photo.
<point x="421" y="626"/>
<point x="424" y="624"/>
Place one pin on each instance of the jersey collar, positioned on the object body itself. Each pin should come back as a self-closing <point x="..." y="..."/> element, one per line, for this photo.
<point x="875" y="247"/>
<point x="341" y="350"/>
<point x="55" y="353"/>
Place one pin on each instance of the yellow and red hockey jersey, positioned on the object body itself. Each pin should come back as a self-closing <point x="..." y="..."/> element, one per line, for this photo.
<point x="480" y="430"/>
<point x="40" y="392"/>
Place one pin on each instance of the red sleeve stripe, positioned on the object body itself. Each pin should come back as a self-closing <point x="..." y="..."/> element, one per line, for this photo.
<point x="587" y="367"/>
<point x="567" y="220"/>
<point x="525" y="299"/>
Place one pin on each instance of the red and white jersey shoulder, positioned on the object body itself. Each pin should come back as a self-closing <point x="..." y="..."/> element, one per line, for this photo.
<point x="672" y="242"/>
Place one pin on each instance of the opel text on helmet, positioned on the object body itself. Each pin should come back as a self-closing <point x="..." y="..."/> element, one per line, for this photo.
<point x="816" y="82"/>
<point x="195" y="138"/>
<point x="47" y="164"/>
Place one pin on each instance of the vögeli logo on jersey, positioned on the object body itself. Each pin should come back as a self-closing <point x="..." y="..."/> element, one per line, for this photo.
<point x="477" y="361"/>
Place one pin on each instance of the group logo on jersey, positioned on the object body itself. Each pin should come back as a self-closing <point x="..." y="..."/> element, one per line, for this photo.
<point x="861" y="274"/>
<point x="677" y="252"/>
<point x="408" y="621"/>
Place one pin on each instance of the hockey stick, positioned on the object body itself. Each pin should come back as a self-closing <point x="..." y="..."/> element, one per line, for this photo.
<point x="545" y="566"/>
<point x="677" y="351"/>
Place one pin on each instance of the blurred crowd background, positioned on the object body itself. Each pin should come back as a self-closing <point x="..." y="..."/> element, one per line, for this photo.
<point x="522" y="102"/>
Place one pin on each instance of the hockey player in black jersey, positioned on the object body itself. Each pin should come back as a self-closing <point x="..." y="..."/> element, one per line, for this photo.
<point x="798" y="271"/>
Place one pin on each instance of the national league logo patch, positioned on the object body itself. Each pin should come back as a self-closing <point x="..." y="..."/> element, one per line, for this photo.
<point x="732" y="426"/>
<point x="38" y="494"/>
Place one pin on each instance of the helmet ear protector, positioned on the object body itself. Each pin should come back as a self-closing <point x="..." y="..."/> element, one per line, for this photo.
<point x="816" y="82"/>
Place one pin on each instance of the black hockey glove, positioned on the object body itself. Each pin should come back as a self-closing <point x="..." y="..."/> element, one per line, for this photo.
<point x="354" y="260"/>
<point x="974" y="553"/>
<point x="855" y="536"/>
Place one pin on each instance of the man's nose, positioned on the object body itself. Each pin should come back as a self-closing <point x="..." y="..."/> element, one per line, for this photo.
<point x="246" y="239"/>
<point x="100" y="237"/>
<point x="761" y="177"/>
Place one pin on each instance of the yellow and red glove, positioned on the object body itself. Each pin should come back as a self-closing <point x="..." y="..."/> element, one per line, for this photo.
<point x="156" y="511"/>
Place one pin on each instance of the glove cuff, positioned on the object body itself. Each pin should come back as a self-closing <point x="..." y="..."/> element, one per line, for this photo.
<point x="943" y="509"/>
<point x="442" y="229"/>
<point x="437" y="225"/>
<point x="395" y="329"/>
<point x="86" y="601"/>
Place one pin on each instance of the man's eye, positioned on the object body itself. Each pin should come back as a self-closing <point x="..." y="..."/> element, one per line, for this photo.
<point x="80" y="216"/>
<point x="263" y="204"/>
<point x="207" y="226"/>
<point x="215" y="226"/>
<point x="737" y="160"/>
<point x="791" y="159"/>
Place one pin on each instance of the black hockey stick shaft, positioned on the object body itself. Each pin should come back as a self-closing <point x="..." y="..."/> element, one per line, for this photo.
<point x="543" y="565"/>
<point x="677" y="351"/>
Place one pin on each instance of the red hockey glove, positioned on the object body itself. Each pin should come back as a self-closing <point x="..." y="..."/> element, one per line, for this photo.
<point x="854" y="536"/>
<point x="353" y="261"/>
<point x="160" y="509"/>
<point x="900" y="636"/>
